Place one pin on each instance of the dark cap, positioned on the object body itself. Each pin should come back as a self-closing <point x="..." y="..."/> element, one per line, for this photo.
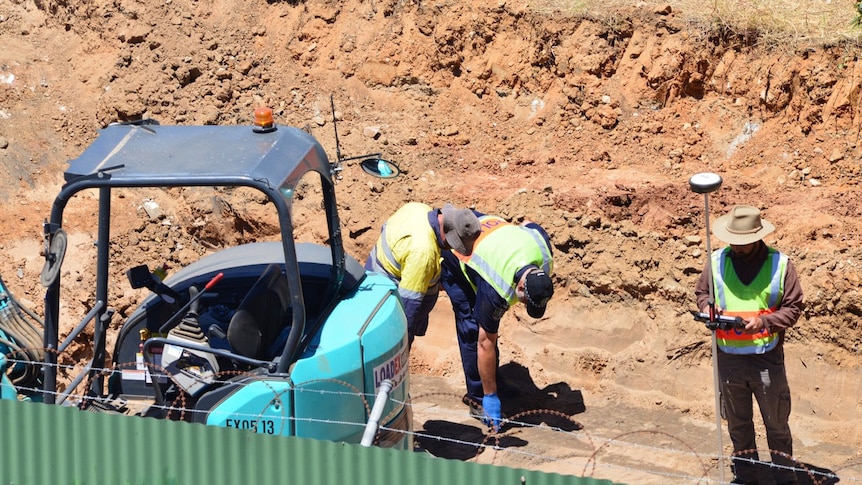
<point x="538" y="289"/>
<point x="461" y="227"/>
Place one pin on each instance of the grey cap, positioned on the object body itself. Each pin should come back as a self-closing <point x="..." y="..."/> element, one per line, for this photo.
<point x="461" y="228"/>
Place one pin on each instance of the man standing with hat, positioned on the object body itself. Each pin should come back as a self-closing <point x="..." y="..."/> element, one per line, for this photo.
<point x="759" y="284"/>
<point x="408" y="252"/>
<point x="510" y="263"/>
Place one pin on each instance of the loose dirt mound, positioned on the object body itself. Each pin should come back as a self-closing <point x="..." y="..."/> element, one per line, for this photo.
<point x="590" y="127"/>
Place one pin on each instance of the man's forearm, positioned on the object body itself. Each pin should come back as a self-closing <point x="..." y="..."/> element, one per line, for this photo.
<point x="487" y="361"/>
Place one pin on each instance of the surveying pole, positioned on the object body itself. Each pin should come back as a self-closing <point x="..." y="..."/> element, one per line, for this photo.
<point x="706" y="183"/>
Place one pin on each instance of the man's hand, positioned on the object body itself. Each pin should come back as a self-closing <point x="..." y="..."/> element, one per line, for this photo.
<point x="754" y="325"/>
<point x="492" y="407"/>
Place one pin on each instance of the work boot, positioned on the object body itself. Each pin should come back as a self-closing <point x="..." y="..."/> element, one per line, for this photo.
<point x="475" y="407"/>
<point x="789" y="482"/>
<point x="787" y="479"/>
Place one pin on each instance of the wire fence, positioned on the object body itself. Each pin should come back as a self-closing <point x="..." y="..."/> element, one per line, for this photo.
<point x="642" y="455"/>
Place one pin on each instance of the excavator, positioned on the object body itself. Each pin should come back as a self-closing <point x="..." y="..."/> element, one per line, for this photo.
<point x="274" y="337"/>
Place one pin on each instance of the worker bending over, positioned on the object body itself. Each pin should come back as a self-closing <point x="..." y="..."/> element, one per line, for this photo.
<point x="408" y="251"/>
<point x="510" y="263"/>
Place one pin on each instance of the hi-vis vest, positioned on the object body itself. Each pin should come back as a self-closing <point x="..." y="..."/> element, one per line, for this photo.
<point x="761" y="297"/>
<point x="501" y="250"/>
<point x="407" y="251"/>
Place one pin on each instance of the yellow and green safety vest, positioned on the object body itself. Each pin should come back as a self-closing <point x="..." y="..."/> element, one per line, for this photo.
<point x="502" y="250"/>
<point x="761" y="297"/>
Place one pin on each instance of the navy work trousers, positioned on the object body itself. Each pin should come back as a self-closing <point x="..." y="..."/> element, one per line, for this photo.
<point x="463" y="299"/>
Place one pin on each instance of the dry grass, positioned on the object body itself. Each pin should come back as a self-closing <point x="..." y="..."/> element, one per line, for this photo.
<point x="789" y="23"/>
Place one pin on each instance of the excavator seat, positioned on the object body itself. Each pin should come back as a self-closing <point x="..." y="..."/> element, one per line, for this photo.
<point x="261" y="316"/>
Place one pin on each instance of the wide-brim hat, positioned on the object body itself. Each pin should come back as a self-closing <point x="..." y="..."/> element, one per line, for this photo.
<point x="461" y="227"/>
<point x="742" y="225"/>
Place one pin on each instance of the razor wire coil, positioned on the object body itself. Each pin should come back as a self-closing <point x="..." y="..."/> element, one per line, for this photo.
<point x="592" y="453"/>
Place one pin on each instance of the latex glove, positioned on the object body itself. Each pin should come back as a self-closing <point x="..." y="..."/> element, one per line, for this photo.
<point x="492" y="408"/>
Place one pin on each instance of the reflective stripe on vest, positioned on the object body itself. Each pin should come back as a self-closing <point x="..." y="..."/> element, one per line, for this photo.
<point x="501" y="250"/>
<point x="408" y="235"/>
<point x="387" y="253"/>
<point x="761" y="297"/>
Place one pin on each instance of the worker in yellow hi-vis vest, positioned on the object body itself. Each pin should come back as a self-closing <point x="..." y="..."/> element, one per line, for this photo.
<point x="510" y="263"/>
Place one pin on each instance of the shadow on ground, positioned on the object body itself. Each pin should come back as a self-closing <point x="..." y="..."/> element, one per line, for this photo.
<point x="524" y="403"/>
<point x="458" y="441"/>
<point x="814" y="475"/>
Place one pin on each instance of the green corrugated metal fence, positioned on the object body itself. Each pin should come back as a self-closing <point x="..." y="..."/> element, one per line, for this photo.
<point x="52" y="445"/>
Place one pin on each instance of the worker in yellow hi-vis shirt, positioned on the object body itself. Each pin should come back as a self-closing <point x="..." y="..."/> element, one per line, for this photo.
<point x="409" y="252"/>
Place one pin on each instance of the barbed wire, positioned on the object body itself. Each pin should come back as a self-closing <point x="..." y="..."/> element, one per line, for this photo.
<point x="585" y="450"/>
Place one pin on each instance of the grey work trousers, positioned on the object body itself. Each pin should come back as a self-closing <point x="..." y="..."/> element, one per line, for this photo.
<point x="764" y="378"/>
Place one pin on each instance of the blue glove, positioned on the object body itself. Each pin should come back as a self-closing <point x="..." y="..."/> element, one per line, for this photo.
<point x="491" y="405"/>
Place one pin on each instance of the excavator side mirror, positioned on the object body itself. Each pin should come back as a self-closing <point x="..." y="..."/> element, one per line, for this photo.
<point x="379" y="167"/>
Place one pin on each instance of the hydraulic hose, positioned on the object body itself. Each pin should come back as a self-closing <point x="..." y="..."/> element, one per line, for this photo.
<point x="23" y="331"/>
